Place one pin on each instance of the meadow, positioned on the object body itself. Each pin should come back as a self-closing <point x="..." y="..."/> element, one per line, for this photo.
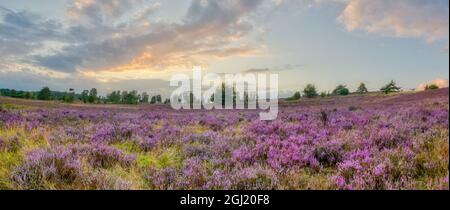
<point x="374" y="142"/>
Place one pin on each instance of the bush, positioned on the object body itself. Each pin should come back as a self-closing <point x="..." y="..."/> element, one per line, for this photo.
<point x="44" y="167"/>
<point x="63" y="168"/>
<point x="341" y="90"/>
<point x="295" y="97"/>
<point x="431" y="87"/>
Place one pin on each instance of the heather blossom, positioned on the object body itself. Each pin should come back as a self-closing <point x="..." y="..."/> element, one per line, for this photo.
<point x="396" y="143"/>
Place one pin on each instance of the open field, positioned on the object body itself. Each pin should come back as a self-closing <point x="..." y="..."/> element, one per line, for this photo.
<point x="371" y="141"/>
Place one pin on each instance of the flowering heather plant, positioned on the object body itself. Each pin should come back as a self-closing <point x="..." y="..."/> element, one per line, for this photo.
<point x="43" y="167"/>
<point x="63" y="166"/>
<point x="398" y="142"/>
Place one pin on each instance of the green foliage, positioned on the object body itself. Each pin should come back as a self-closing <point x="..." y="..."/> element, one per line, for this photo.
<point x="84" y="96"/>
<point x="341" y="90"/>
<point x="45" y="94"/>
<point x="131" y="97"/>
<point x="92" y="95"/>
<point x="125" y="97"/>
<point x="295" y="97"/>
<point x="114" y="97"/>
<point x="69" y="97"/>
<point x="362" y="89"/>
<point x="12" y="106"/>
<point x="310" y="91"/>
<point x="323" y="94"/>
<point x="157" y="99"/>
<point x="18" y="93"/>
<point x="431" y="87"/>
<point x="390" y="88"/>
<point x="160" y="159"/>
<point x="144" y="97"/>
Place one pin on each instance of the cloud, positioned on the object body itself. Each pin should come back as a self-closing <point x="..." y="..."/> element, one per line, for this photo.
<point x="21" y="33"/>
<point x="98" y="12"/>
<point x="286" y="67"/>
<point x="120" y="35"/>
<point x="401" y="18"/>
<point x="256" y="70"/>
<point x="29" y="80"/>
<point x="440" y="82"/>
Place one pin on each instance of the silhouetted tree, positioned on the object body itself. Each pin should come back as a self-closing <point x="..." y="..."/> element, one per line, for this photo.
<point x="390" y="88"/>
<point x="362" y="88"/>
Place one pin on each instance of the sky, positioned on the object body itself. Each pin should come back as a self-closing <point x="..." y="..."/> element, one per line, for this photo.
<point x="140" y="44"/>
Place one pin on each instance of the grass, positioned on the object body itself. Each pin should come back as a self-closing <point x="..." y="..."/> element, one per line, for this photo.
<point x="13" y="106"/>
<point x="16" y="142"/>
<point x="161" y="158"/>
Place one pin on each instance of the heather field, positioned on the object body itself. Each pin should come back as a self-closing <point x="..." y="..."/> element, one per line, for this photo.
<point x="399" y="141"/>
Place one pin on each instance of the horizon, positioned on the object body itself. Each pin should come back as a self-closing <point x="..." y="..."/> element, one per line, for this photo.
<point x="139" y="44"/>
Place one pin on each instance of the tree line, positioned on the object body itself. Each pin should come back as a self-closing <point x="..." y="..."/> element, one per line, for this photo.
<point x="86" y="96"/>
<point x="310" y="91"/>
<point x="133" y="97"/>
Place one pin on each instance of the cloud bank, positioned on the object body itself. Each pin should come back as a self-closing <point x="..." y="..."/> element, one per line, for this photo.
<point x="104" y="35"/>
<point x="428" y="19"/>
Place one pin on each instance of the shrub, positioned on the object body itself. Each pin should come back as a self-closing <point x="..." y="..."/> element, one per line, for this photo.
<point x="106" y="157"/>
<point x="254" y="178"/>
<point x="341" y="90"/>
<point x="431" y="87"/>
<point x="62" y="167"/>
<point x="328" y="153"/>
<point x="295" y="97"/>
<point x="43" y="167"/>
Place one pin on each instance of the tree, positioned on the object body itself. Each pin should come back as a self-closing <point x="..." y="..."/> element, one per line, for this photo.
<point x="84" y="96"/>
<point x="341" y="90"/>
<point x="45" y="94"/>
<point x="295" y="97"/>
<point x="431" y="87"/>
<point x="131" y="97"/>
<point x="28" y="95"/>
<point x="362" y="89"/>
<point x="323" y="94"/>
<point x="92" y="95"/>
<point x="390" y="88"/>
<point x="69" y="97"/>
<point x="114" y="97"/>
<point x="157" y="99"/>
<point x="144" y="97"/>
<point x="310" y="91"/>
